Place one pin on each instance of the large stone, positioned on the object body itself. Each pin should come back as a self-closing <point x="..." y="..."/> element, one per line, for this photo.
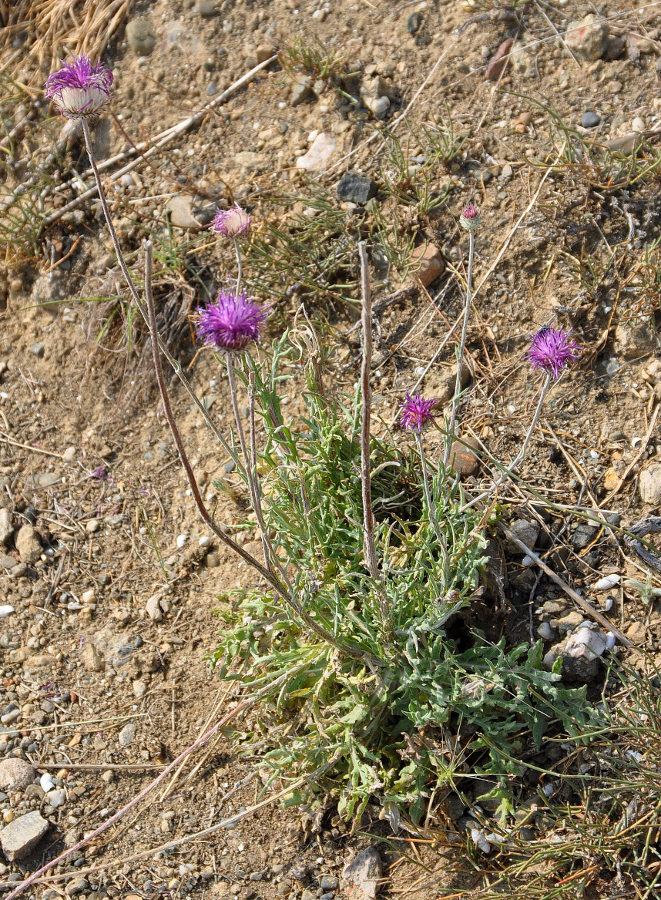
<point x="15" y="774"/>
<point x="587" y="38"/>
<point x="28" y="544"/>
<point x="463" y="459"/>
<point x="21" y="836"/>
<point x="360" y="877"/>
<point x="355" y="188"/>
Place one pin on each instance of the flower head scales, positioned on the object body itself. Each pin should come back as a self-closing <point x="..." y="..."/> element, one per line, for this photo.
<point x="80" y="88"/>
<point x="470" y="218"/>
<point x="552" y="350"/>
<point x="416" y="412"/>
<point x="232" y="322"/>
<point x="231" y="222"/>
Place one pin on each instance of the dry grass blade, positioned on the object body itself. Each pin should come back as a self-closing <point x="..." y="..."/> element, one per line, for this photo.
<point x="61" y="28"/>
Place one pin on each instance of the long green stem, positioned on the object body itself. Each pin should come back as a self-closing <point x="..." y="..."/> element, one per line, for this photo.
<point x="462" y="348"/>
<point x="431" y="509"/>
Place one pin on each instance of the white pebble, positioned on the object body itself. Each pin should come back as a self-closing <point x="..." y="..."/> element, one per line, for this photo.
<point x="527" y="560"/>
<point x="6" y="611"/>
<point x="545" y="631"/>
<point x="606" y="583"/>
<point x="638" y="124"/>
<point x="205" y="540"/>
<point x="181" y="540"/>
<point x="607" y="605"/>
<point x="46" y="782"/>
<point x="610" y="640"/>
<point x="481" y="841"/>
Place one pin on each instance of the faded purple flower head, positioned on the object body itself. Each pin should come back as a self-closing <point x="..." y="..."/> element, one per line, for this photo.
<point x="470" y="217"/>
<point x="416" y="412"/>
<point x="552" y="350"/>
<point x="231" y="222"/>
<point x="80" y="89"/>
<point x="232" y="322"/>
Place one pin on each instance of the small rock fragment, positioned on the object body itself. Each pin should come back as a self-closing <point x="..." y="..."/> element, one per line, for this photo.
<point x="22" y="835"/>
<point x="607" y="582"/>
<point x="28" y="544"/>
<point x="499" y="61"/>
<point x="354" y="188"/>
<point x="526" y="531"/>
<point x="649" y="483"/>
<point x="140" y="36"/>
<point x="587" y="38"/>
<point x="590" y="119"/>
<point x="37" y="350"/>
<point x="181" y="211"/>
<point x="92" y="659"/>
<point x="301" y="90"/>
<point x="127" y="734"/>
<point x="320" y="154"/>
<point x="427" y="264"/>
<point x="463" y="460"/>
<point x="584" y="535"/>
<point x="154" y="610"/>
<point x="206" y="8"/>
<point x="361" y="876"/>
<point x="15" y="774"/>
<point x="6" y="527"/>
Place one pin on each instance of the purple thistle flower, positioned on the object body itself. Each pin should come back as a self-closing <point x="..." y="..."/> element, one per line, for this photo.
<point x="470" y="217"/>
<point x="80" y="89"/>
<point x="552" y="350"/>
<point x="231" y="222"/>
<point x="231" y="323"/>
<point x="416" y="412"/>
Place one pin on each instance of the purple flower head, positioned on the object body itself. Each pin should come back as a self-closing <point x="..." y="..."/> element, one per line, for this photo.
<point x="80" y="89"/>
<point x="416" y="412"/>
<point x="470" y="217"/>
<point x="231" y="323"/>
<point x="552" y="350"/>
<point x="231" y="222"/>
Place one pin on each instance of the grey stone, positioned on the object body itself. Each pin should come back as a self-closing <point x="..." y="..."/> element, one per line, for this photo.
<point x="37" y="349"/>
<point x="583" y="536"/>
<point x="355" y="188"/>
<point x="28" y="544"/>
<point x="590" y="119"/>
<point x="361" y="876"/>
<point x="6" y="527"/>
<point x="635" y="341"/>
<point x="22" y="835"/>
<point x="414" y="22"/>
<point x="92" y="659"/>
<point x="127" y="734"/>
<point x="206" y="8"/>
<point x="301" y="90"/>
<point x="7" y="562"/>
<point x="526" y="531"/>
<point x="649" y="483"/>
<point x="140" y="36"/>
<point x="212" y="89"/>
<point x="329" y="882"/>
<point x="15" y="774"/>
<point x="79" y="885"/>
<point x="580" y="654"/>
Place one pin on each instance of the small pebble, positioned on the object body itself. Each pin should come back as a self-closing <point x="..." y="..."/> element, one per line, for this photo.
<point x="590" y="119"/>
<point x="181" y="540"/>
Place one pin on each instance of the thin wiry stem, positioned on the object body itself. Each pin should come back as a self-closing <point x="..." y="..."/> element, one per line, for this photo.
<point x="136" y="297"/>
<point x="431" y="509"/>
<point x="462" y="348"/>
<point x="268" y="575"/>
<point x="239" y="268"/>
<point x="369" y="545"/>
<point x="516" y="462"/>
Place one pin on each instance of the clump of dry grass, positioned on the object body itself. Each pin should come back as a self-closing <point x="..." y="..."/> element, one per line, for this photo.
<point x="56" y="28"/>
